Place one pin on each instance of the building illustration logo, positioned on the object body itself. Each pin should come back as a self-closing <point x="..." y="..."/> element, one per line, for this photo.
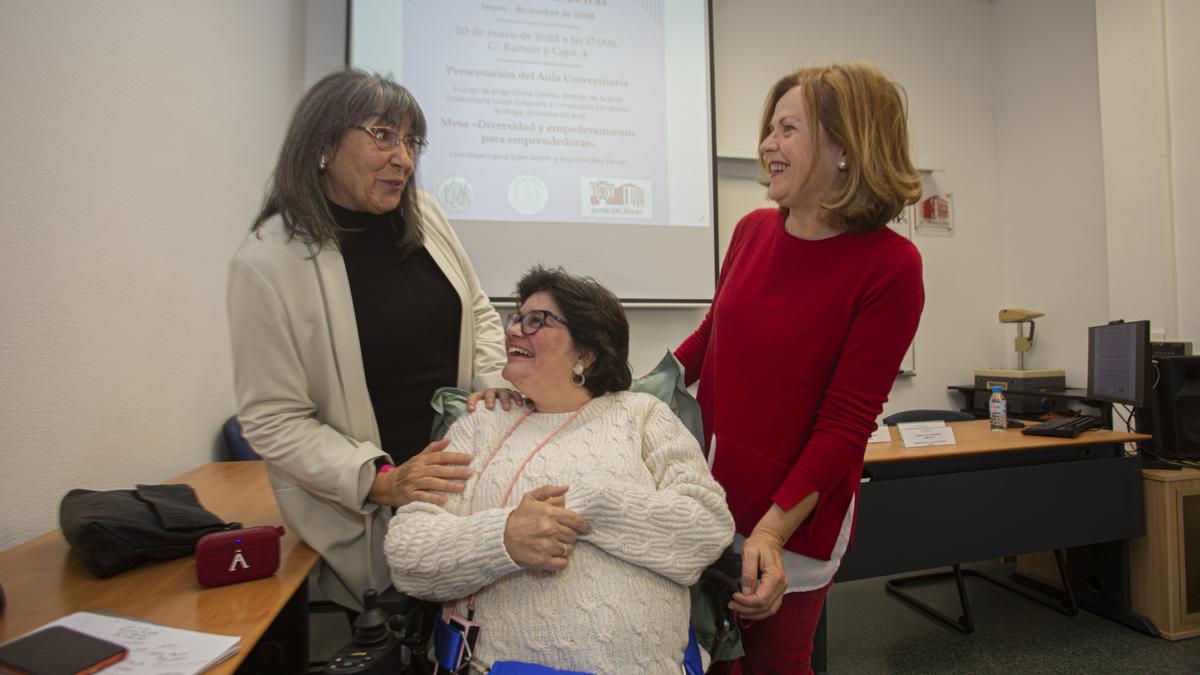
<point x="936" y="207"/>
<point x="936" y="214"/>
<point x="615" y="197"/>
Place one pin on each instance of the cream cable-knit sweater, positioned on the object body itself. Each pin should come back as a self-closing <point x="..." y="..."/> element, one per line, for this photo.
<point x="622" y="605"/>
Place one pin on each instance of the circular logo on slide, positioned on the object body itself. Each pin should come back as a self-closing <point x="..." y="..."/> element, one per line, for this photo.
<point x="454" y="193"/>
<point x="528" y="195"/>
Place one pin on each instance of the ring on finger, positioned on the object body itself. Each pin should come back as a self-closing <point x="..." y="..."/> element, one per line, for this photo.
<point x="566" y="550"/>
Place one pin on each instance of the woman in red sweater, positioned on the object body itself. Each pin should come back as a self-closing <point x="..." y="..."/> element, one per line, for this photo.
<point x="817" y="303"/>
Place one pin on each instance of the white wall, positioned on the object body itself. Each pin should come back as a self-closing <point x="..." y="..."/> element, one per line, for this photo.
<point x="1050" y="188"/>
<point x="1136" y="162"/>
<point x="1182" y="63"/>
<point x="137" y="137"/>
<point x="1149" y="93"/>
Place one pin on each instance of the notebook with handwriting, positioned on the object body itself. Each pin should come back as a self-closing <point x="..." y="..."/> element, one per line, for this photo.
<point x="57" y="650"/>
<point x="153" y="649"/>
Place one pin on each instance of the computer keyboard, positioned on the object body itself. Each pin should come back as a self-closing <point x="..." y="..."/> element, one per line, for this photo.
<point x="1063" y="427"/>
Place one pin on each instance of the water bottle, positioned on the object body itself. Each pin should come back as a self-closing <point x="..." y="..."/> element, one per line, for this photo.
<point x="998" y="409"/>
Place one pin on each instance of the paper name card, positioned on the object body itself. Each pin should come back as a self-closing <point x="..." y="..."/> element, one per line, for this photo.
<point x="880" y="435"/>
<point x="925" y="434"/>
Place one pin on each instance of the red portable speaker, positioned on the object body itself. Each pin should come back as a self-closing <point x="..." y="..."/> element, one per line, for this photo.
<point x="237" y="555"/>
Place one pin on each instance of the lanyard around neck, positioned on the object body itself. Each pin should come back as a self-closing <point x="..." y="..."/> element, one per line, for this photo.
<point x="508" y="492"/>
<point x="504" y="439"/>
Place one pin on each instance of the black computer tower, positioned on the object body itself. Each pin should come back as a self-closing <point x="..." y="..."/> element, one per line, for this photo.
<point x="1178" y="396"/>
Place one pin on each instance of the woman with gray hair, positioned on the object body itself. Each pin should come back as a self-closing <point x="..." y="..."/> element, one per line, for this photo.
<point x="350" y="302"/>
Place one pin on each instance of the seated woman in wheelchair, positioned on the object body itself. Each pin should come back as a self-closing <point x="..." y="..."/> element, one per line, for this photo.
<point x="589" y="512"/>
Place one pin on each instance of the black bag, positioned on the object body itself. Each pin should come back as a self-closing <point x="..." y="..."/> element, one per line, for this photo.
<point x="116" y="530"/>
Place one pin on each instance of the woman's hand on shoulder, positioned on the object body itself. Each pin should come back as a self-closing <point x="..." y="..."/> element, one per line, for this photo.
<point x="508" y="398"/>
<point x="426" y="477"/>
<point x="540" y="533"/>
<point x="763" y="578"/>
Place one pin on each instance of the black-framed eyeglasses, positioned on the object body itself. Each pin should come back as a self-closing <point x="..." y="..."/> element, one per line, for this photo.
<point x="531" y="322"/>
<point x="387" y="138"/>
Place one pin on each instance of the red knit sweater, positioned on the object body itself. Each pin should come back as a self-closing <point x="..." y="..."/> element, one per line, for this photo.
<point x="795" y="359"/>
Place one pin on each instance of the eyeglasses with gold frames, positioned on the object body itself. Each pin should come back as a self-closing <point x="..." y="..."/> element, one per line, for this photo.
<point x="386" y="139"/>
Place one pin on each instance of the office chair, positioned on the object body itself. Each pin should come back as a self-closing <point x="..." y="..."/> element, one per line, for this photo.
<point x="235" y="443"/>
<point x="267" y="653"/>
<point x="927" y="416"/>
<point x="966" y="622"/>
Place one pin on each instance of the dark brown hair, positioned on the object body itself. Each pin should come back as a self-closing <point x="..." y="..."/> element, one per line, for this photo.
<point x="864" y="113"/>
<point x="595" y="320"/>
<point x="337" y="102"/>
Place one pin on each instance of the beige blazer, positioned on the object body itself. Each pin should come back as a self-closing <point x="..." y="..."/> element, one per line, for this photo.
<point x="302" y="394"/>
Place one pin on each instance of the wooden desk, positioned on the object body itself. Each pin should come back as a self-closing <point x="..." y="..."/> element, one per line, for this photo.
<point x="977" y="438"/>
<point x="44" y="580"/>
<point x="992" y="494"/>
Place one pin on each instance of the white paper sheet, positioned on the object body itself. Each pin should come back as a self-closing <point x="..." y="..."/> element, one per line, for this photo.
<point x="880" y="435"/>
<point x="154" y="649"/>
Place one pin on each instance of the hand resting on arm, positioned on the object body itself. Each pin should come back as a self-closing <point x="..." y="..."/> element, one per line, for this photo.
<point x="424" y="478"/>
<point x="508" y="398"/>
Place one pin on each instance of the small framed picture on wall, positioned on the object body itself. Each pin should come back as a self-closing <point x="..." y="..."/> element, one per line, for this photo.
<point x="935" y="214"/>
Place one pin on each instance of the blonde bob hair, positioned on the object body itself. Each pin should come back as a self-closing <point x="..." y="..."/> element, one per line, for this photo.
<point x="864" y="113"/>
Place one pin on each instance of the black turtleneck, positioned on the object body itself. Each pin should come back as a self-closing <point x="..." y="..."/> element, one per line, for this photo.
<point x="408" y="318"/>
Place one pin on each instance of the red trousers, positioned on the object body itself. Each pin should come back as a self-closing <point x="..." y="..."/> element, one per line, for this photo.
<point x="782" y="644"/>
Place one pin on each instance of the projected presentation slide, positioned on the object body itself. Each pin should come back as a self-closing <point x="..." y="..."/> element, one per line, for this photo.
<point x="550" y="92"/>
<point x="588" y="117"/>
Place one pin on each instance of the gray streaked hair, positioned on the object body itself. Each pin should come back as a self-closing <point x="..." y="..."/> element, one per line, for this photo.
<point x="337" y="102"/>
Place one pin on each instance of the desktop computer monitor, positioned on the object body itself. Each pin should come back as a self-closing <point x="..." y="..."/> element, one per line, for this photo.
<point x="1119" y="362"/>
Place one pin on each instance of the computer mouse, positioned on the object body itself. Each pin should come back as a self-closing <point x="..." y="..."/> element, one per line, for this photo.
<point x="1016" y="424"/>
